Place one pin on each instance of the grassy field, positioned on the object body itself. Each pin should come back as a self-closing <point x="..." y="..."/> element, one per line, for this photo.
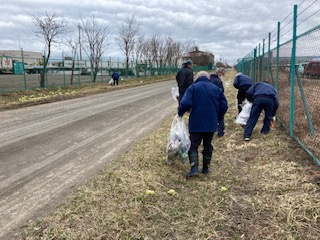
<point x="16" y="99"/>
<point x="267" y="188"/>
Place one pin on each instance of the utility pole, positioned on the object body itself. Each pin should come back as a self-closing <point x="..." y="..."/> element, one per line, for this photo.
<point x="79" y="27"/>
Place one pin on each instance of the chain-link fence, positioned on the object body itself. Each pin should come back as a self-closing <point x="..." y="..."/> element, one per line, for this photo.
<point x="293" y="67"/>
<point x="23" y="73"/>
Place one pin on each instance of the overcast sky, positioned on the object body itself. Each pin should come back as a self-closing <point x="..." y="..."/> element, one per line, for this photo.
<point x="229" y="29"/>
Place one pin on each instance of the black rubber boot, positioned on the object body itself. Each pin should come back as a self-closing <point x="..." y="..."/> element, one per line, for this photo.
<point x="206" y="164"/>
<point x="194" y="166"/>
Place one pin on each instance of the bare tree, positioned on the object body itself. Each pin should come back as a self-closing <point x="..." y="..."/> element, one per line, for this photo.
<point x="95" y="37"/>
<point x="72" y="45"/>
<point x="127" y="37"/>
<point x="50" y="29"/>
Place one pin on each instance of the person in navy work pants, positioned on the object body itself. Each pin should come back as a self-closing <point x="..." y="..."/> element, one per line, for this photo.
<point x="263" y="97"/>
<point x="241" y="82"/>
<point x="207" y="105"/>
<point x="216" y="78"/>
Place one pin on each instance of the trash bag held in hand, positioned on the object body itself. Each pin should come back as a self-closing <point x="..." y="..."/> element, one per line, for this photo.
<point x="179" y="141"/>
<point x="175" y="93"/>
<point x="244" y="115"/>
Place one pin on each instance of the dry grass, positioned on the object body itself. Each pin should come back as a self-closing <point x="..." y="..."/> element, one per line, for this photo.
<point x="270" y="193"/>
<point x="10" y="100"/>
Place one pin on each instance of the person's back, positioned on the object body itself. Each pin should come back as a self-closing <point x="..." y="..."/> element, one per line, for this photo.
<point x="263" y="97"/>
<point x="115" y="75"/>
<point x="184" y="78"/>
<point x="242" y="80"/>
<point x="215" y="79"/>
<point x="207" y="103"/>
<point x="261" y="89"/>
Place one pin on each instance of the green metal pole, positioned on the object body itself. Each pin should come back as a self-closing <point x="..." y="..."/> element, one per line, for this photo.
<point x="259" y="70"/>
<point x="24" y="72"/>
<point x="269" y="56"/>
<point x="292" y="69"/>
<point x="262" y="61"/>
<point x="305" y="102"/>
<point x="277" y="59"/>
<point x="254" y="64"/>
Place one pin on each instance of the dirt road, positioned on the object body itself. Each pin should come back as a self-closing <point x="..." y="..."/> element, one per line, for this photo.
<point x="47" y="150"/>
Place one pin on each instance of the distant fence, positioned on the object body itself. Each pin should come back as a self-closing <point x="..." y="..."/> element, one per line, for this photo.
<point x="293" y="67"/>
<point x="23" y="73"/>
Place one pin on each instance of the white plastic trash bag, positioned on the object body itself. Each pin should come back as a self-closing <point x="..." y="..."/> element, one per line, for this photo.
<point x="175" y="93"/>
<point x="179" y="141"/>
<point x="244" y="115"/>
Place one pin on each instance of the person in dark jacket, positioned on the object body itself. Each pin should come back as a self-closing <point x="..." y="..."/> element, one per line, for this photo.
<point x="241" y="82"/>
<point x="184" y="78"/>
<point x="207" y="105"/>
<point x="263" y="97"/>
<point x="115" y="76"/>
<point x="215" y="78"/>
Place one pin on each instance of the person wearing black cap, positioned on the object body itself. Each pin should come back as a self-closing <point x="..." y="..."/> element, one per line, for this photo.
<point x="184" y="78"/>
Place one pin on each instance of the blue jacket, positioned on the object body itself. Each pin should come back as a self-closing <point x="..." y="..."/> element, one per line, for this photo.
<point x="207" y="105"/>
<point x="115" y="75"/>
<point x="241" y="80"/>
<point x="263" y="89"/>
<point x="214" y="78"/>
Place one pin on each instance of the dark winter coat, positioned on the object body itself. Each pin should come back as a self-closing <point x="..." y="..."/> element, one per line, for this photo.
<point x="184" y="79"/>
<point x="115" y="76"/>
<point x="214" y="78"/>
<point x="265" y="90"/>
<point x="241" y="80"/>
<point x="207" y="105"/>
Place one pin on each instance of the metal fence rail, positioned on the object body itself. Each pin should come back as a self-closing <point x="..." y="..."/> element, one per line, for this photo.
<point x="293" y="67"/>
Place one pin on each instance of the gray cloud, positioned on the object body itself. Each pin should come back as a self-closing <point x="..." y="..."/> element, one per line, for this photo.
<point x="228" y="28"/>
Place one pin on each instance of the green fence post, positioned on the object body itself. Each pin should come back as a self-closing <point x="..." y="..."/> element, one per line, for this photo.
<point x="259" y="63"/>
<point x="277" y="59"/>
<point x="304" y="101"/>
<point x="262" y="61"/>
<point x="254" y="64"/>
<point x="269" y="60"/>
<point x="292" y="69"/>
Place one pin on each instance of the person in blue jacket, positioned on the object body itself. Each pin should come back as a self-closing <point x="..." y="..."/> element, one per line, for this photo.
<point x="207" y="105"/>
<point x="215" y="78"/>
<point x="263" y="97"/>
<point x="241" y="82"/>
<point x="115" y="76"/>
<point x="184" y="78"/>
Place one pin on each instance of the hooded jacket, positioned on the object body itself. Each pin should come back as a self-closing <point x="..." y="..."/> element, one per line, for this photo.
<point x="207" y="105"/>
